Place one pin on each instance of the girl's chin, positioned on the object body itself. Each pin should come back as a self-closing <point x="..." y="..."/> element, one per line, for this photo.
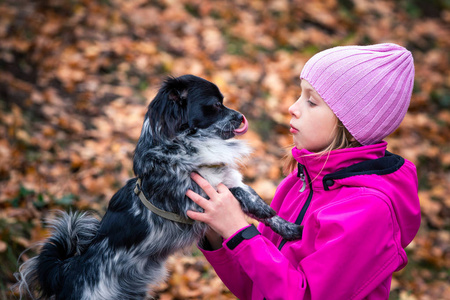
<point x="297" y="143"/>
<point x="299" y="146"/>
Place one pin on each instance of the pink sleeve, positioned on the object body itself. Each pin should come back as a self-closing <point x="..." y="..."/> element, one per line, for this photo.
<point x="230" y="271"/>
<point x="349" y="256"/>
<point x="256" y="266"/>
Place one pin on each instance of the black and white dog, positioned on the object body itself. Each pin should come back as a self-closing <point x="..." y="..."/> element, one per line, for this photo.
<point x="186" y="129"/>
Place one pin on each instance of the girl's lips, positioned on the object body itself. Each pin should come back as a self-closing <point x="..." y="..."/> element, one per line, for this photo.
<point x="293" y="129"/>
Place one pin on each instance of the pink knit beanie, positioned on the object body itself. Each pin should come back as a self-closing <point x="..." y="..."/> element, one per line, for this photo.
<point x="367" y="87"/>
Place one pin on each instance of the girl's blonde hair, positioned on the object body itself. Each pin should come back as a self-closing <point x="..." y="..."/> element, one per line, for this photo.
<point x="343" y="139"/>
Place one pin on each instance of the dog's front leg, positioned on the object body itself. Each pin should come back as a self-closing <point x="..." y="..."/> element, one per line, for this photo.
<point x="287" y="230"/>
<point x="253" y="205"/>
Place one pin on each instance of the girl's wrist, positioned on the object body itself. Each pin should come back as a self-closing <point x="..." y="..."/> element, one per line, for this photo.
<point x="214" y="239"/>
<point x="233" y="229"/>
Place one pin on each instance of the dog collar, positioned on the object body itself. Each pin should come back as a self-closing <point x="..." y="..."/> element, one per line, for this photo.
<point x="213" y="166"/>
<point x="162" y="213"/>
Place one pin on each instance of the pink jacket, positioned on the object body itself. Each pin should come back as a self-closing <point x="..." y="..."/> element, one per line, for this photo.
<point x="359" y="210"/>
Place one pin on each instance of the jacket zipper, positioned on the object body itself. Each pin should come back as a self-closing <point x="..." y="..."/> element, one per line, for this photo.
<point x="303" y="175"/>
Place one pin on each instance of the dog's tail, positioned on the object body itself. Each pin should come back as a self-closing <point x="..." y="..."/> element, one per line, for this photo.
<point x="72" y="233"/>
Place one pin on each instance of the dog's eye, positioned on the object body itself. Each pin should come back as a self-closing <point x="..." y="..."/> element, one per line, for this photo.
<point x="218" y="104"/>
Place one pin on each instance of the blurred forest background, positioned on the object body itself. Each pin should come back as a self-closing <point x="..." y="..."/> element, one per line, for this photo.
<point x="76" y="77"/>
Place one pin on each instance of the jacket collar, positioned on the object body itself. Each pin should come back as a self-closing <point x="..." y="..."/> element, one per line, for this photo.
<point x="317" y="167"/>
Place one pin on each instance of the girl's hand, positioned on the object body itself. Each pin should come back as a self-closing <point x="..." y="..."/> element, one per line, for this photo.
<point x="222" y="211"/>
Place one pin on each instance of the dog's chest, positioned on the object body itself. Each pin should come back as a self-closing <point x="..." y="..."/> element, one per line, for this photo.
<point x="221" y="174"/>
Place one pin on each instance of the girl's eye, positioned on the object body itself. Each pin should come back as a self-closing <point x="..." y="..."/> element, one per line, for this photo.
<point x="312" y="104"/>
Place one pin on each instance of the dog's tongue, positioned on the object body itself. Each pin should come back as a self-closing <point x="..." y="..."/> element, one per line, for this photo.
<point x="243" y="129"/>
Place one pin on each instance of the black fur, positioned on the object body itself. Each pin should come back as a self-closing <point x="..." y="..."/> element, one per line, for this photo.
<point x="187" y="128"/>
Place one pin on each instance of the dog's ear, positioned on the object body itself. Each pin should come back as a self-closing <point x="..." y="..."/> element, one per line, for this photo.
<point x="168" y="110"/>
<point x="176" y="90"/>
<point x="178" y="96"/>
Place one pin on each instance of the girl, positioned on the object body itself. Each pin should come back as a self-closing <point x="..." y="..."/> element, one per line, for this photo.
<point x="357" y="202"/>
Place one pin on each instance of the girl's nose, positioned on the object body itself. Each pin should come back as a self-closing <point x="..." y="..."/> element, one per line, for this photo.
<point x="294" y="110"/>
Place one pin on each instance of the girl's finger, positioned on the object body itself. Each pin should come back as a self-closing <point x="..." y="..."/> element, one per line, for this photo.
<point x="222" y="188"/>
<point x="204" y="185"/>
<point x="202" y="202"/>
<point x="195" y="215"/>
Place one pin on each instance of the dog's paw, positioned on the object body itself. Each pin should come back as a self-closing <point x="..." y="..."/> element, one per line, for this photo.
<point x="287" y="230"/>
<point x="293" y="232"/>
<point x="263" y="212"/>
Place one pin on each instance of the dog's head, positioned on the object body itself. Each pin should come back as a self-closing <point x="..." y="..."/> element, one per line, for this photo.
<point x="187" y="106"/>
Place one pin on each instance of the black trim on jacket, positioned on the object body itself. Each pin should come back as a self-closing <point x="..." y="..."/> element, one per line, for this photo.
<point x="387" y="164"/>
